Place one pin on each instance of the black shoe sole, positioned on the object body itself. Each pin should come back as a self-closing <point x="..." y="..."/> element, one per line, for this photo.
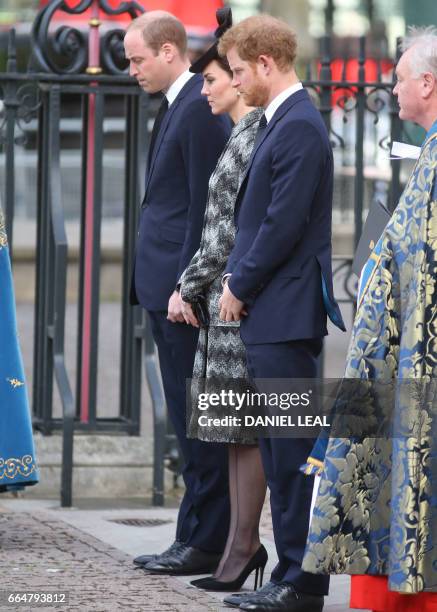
<point x="169" y="572"/>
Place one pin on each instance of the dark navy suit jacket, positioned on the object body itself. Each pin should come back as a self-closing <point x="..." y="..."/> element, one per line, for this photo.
<point x="186" y="151"/>
<point x="281" y="261"/>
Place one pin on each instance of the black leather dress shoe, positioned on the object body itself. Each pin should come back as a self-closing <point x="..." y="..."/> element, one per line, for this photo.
<point x="283" y="598"/>
<point x="184" y="561"/>
<point x="234" y="600"/>
<point x="144" y="559"/>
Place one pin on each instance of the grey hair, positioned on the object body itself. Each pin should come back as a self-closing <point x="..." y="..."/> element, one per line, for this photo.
<point x="423" y="42"/>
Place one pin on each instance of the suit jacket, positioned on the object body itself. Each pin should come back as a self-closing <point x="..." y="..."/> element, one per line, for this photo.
<point x="186" y="151"/>
<point x="281" y="261"/>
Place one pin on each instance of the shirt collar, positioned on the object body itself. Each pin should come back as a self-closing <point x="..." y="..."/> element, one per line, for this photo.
<point x="176" y="87"/>
<point x="432" y="130"/>
<point x="280" y="98"/>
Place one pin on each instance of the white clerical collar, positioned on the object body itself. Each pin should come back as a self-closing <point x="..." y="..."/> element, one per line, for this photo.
<point x="175" y="88"/>
<point x="280" y="98"/>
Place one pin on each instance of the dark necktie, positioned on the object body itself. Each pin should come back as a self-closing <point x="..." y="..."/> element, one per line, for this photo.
<point x="156" y="126"/>
<point x="261" y="129"/>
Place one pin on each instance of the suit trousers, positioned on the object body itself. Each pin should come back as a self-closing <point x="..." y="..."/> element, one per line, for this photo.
<point x="203" y="519"/>
<point x="290" y="490"/>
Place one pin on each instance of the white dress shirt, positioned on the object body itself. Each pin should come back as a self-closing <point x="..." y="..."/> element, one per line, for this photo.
<point x="280" y="98"/>
<point x="176" y="87"/>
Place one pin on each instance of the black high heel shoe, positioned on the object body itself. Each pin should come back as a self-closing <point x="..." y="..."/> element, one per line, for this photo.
<point x="257" y="563"/>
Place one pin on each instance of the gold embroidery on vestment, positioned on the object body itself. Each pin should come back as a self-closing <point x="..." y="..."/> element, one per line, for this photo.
<point x="15" y="382"/>
<point x="14" y="466"/>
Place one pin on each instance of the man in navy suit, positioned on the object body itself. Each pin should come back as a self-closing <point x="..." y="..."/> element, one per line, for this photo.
<point x="185" y="145"/>
<point x="279" y="280"/>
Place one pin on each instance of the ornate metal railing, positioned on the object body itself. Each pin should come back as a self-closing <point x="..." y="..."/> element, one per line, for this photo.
<point x="345" y="102"/>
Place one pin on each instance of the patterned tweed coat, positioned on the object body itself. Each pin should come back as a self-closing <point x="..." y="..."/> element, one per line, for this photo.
<point x="220" y="352"/>
<point x="204" y="272"/>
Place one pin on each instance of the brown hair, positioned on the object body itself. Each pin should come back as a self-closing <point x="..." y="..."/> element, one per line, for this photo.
<point x="261" y="35"/>
<point x="224" y="64"/>
<point x="158" y="28"/>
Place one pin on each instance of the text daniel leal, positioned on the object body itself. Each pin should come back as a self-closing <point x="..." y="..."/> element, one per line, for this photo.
<point x="279" y="420"/>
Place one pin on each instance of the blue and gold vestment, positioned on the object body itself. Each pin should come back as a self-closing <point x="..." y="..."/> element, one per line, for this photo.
<point x="376" y="509"/>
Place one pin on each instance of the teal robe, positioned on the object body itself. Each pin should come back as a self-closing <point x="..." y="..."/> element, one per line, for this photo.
<point x="17" y="455"/>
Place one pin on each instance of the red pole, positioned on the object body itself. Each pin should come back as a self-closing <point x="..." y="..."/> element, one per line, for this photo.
<point x="93" y="68"/>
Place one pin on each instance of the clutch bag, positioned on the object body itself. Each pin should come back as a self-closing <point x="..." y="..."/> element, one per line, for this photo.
<point x="200" y="309"/>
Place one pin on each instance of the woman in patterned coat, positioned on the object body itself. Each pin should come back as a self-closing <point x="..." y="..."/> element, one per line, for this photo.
<point x="17" y="456"/>
<point x="220" y="353"/>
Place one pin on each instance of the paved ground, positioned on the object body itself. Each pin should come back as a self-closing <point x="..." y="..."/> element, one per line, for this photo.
<point x="82" y="552"/>
<point x="43" y="554"/>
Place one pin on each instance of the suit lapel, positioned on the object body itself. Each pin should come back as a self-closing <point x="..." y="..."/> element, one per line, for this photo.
<point x="160" y="136"/>
<point x="302" y="94"/>
<point x="166" y="122"/>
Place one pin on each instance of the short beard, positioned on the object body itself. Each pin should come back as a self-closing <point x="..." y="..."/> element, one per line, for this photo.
<point x="258" y="94"/>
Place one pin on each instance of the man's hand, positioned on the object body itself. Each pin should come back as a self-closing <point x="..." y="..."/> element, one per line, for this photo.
<point x="174" y="313"/>
<point x="189" y="315"/>
<point x="231" y="308"/>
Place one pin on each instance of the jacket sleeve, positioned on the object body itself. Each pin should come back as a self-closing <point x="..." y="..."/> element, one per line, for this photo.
<point x="203" y="137"/>
<point x="207" y="265"/>
<point x="298" y="161"/>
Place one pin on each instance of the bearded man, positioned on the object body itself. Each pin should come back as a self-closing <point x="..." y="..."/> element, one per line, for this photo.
<point x="279" y="273"/>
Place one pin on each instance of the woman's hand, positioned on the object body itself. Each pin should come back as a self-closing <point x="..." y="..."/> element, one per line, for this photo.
<point x="188" y="314"/>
